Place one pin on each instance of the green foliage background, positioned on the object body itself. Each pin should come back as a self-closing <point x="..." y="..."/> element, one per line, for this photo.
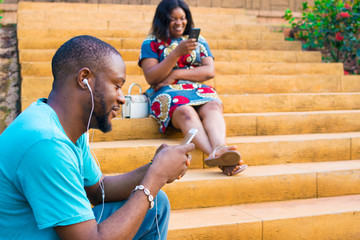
<point x="331" y="26"/>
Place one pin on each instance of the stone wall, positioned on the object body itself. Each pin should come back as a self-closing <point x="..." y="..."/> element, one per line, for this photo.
<point x="260" y="5"/>
<point x="9" y="76"/>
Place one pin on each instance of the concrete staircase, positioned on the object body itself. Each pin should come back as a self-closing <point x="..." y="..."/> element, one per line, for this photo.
<point x="294" y="119"/>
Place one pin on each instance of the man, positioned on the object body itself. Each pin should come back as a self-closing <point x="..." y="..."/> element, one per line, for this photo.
<point x="48" y="177"/>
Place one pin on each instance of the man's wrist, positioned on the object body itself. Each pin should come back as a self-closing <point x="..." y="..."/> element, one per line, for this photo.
<point x="146" y="191"/>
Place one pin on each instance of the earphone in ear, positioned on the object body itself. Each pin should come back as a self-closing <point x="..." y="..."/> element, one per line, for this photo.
<point x="86" y="82"/>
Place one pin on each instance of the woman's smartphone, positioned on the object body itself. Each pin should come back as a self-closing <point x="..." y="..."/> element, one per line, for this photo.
<point x="194" y="33"/>
<point x="189" y="136"/>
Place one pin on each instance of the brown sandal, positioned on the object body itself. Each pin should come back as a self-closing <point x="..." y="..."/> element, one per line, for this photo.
<point x="227" y="158"/>
<point x="239" y="169"/>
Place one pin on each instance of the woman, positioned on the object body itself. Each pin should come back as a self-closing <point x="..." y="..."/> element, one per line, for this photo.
<point x="175" y="67"/>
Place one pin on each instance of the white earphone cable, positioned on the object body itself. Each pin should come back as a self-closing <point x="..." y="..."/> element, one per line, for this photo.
<point x="101" y="183"/>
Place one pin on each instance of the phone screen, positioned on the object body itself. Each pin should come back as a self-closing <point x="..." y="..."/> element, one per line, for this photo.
<point x="194" y="33"/>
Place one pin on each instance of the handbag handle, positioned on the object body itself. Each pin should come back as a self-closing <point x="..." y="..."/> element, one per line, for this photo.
<point x="131" y="86"/>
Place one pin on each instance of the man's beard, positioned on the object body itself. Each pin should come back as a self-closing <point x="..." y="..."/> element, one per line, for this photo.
<point x="102" y="118"/>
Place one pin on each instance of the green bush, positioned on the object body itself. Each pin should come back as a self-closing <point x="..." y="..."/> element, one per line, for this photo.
<point x="331" y="26"/>
<point x="1" y="1"/>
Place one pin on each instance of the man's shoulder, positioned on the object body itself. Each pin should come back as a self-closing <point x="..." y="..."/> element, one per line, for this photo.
<point x="37" y="123"/>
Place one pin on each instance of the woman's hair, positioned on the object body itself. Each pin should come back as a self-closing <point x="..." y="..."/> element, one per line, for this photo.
<point x="161" y="21"/>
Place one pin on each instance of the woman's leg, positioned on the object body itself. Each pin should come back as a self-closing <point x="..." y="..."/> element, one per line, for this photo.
<point x="184" y="118"/>
<point x="211" y="115"/>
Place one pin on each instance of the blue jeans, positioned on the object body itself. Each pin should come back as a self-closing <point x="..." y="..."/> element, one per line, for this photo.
<point x="150" y="228"/>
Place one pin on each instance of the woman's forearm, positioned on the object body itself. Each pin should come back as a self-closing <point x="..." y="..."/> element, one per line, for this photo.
<point x="156" y="72"/>
<point x="199" y="74"/>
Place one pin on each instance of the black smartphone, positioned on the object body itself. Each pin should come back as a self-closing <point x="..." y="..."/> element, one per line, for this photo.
<point x="194" y="33"/>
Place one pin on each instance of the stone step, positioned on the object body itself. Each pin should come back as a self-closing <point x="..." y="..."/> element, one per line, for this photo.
<point x="252" y="84"/>
<point x="246" y="124"/>
<point x="128" y="25"/>
<point x="69" y="6"/>
<point x="290" y="102"/>
<point x="43" y="69"/>
<point x="34" y="87"/>
<point x="124" y="15"/>
<point x="350" y="83"/>
<point x="126" y="155"/>
<point x="318" y="218"/>
<point x="272" y="84"/>
<point x="50" y="33"/>
<point x="250" y="103"/>
<point x="264" y="184"/>
<point x="264" y="56"/>
<point x="135" y="43"/>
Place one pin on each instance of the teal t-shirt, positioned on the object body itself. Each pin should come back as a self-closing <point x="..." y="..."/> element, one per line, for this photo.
<point x="42" y="176"/>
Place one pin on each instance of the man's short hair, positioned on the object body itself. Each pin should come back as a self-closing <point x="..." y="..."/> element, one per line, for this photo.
<point x="79" y="52"/>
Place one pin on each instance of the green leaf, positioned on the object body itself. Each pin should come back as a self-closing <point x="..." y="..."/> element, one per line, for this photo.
<point x="358" y="52"/>
<point x="304" y="6"/>
<point x="288" y="14"/>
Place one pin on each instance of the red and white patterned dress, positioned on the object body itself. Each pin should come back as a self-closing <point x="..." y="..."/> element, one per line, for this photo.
<point x="165" y="100"/>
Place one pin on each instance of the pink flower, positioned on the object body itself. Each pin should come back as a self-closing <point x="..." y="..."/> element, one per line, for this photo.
<point x="346" y="73"/>
<point x="344" y="15"/>
<point x="339" y="36"/>
<point x="347" y="6"/>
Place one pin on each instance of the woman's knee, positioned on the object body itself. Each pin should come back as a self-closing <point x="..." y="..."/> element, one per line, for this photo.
<point x="216" y="105"/>
<point x="211" y="107"/>
<point x="185" y="113"/>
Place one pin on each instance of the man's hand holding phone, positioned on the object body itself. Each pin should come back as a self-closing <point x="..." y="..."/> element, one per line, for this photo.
<point x="189" y="136"/>
<point x="172" y="161"/>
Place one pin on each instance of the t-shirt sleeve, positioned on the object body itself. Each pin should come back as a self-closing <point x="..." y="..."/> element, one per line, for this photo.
<point x="148" y="50"/>
<point x="204" y="48"/>
<point x="51" y="180"/>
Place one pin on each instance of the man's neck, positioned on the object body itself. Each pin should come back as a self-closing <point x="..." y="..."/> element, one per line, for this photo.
<point x="69" y="115"/>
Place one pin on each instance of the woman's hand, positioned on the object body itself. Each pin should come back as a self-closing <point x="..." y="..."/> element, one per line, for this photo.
<point x="167" y="81"/>
<point x="185" y="47"/>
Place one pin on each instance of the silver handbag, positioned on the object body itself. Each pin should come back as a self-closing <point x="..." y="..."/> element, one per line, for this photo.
<point x="136" y="106"/>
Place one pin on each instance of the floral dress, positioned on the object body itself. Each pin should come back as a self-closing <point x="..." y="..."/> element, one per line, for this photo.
<point x="165" y="100"/>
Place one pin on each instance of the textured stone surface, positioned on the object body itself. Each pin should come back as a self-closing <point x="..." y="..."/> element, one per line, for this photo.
<point x="9" y="76"/>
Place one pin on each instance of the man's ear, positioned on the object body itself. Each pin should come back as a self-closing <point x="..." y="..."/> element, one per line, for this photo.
<point x="84" y="73"/>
